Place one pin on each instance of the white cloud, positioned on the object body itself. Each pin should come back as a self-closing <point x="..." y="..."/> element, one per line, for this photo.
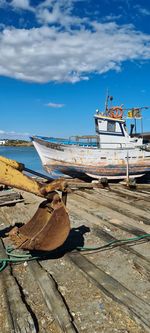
<point x="17" y="5"/>
<point x="112" y="17"/>
<point x="46" y="54"/>
<point x="21" y="4"/>
<point x="54" y="105"/>
<point x="2" y="3"/>
<point x="14" y="135"/>
<point x="59" y="12"/>
<point x="143" y="11"/>
<point x="67" y="48"/>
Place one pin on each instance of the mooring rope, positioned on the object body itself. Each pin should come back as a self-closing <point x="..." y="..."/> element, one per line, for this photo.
<point x="17" y="258"/>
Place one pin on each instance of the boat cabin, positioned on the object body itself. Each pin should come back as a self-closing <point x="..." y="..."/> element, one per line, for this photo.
<point x="112" y="132"/>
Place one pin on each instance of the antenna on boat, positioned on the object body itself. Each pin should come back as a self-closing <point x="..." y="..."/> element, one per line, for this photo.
<point x="106" y="102"/>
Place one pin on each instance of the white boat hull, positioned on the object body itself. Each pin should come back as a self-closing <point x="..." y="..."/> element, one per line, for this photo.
<point x="75" y="160"/>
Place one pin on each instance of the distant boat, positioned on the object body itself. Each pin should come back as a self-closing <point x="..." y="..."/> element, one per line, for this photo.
<point x="107" y="154"/>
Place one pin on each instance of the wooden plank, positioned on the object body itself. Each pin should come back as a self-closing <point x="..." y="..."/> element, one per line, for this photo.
<point x="20" y="318"/>
<point x="142" y="267"/>
<point x="137" y="201"/>
<point x="125" y="196"/>
<point x="107" y="216"/>
<point x="10" y="202"/>
<point x="114" y="289"/>
<point x="53" y="298"/>
<point x="123" y="191"/>
<point x="107" y="237"/>
<point x="127" y="227"/>
<point x="124" y="209"/>
<point x="138" y="186"/>
<point x="8" y="197"/>
<point x="10" y="192"/>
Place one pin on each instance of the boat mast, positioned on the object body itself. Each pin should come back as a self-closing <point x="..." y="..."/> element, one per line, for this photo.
<point x="106" y="102"/>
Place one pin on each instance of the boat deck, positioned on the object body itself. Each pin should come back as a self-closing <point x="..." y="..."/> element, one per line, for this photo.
<point x="80" y="292"/>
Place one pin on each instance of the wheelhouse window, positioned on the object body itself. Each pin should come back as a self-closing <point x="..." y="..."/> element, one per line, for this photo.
<point x="111" y="126"/>
<point x="96" y="124"/>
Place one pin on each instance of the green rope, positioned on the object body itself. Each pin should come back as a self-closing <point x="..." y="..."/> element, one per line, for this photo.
<point x="16" y="258"/>
<point x="113" y="242"/>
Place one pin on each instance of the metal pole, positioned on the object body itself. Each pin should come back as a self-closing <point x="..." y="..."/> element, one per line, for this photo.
<point x="135" y="124"/>
<point x="38" y="174"/>
<point x="127" y="170"/>
<point x="64" y="197"/>
<point x="141" y="125"/>
<point x="106" y="102"/>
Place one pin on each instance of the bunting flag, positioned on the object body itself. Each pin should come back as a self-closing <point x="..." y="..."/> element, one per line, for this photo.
<point x="134" y="113"/>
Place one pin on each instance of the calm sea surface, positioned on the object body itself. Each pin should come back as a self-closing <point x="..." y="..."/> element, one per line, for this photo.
<point x="26" y="155"/>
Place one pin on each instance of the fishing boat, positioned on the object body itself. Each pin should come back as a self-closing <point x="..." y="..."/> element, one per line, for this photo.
<point x="110" y="153"/>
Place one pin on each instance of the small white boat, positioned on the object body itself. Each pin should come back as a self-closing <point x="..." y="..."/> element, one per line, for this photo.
<point x="109" y="153"/>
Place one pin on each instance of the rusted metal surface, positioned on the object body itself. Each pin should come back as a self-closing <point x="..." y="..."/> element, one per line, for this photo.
<point x="48" y="228"/>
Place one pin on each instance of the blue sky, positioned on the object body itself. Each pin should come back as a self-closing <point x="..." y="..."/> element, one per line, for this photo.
<point x="58" y="58"/>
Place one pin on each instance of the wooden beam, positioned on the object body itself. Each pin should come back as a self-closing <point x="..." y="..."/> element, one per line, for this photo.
<point x="20" y="319"/>
<point x="133" y="304"/>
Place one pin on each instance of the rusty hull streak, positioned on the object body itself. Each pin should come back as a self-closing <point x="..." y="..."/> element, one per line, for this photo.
<point x="99" y="169"/>
<point x="51" y="145"/>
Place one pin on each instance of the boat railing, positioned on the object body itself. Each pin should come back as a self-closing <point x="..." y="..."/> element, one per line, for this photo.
<point x="117" y="145"/>
<point x="86" y="140"/>
<point x="91" y="141"/>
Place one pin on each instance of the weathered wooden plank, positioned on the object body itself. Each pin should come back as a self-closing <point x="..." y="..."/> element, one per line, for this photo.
<point x="106" y="215"/>
<point x="137" y="201"/>
<point x="128" y="228"/>
<point x="53" y="298"/>
<point x="124" y="209"/>
<point x="10" y="202"/>
<point x="130" y="193"/>
<point x="138" y="185"/>
<point x="139" y="309"/>
<point x="8" y="197"/>
<point x="6" y="321"/>
<point x="142" y="267"/>
<point x="9" y="192"/>
<point x="145" y="192"/>
<point x="20" y="320"/>
<point x="107" y="237"/>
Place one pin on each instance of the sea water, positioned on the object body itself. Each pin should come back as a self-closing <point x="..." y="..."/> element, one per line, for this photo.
<point x="26" y="155"/>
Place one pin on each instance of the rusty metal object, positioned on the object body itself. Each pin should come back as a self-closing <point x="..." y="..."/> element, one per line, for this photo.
<point x="48" y="228"/>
